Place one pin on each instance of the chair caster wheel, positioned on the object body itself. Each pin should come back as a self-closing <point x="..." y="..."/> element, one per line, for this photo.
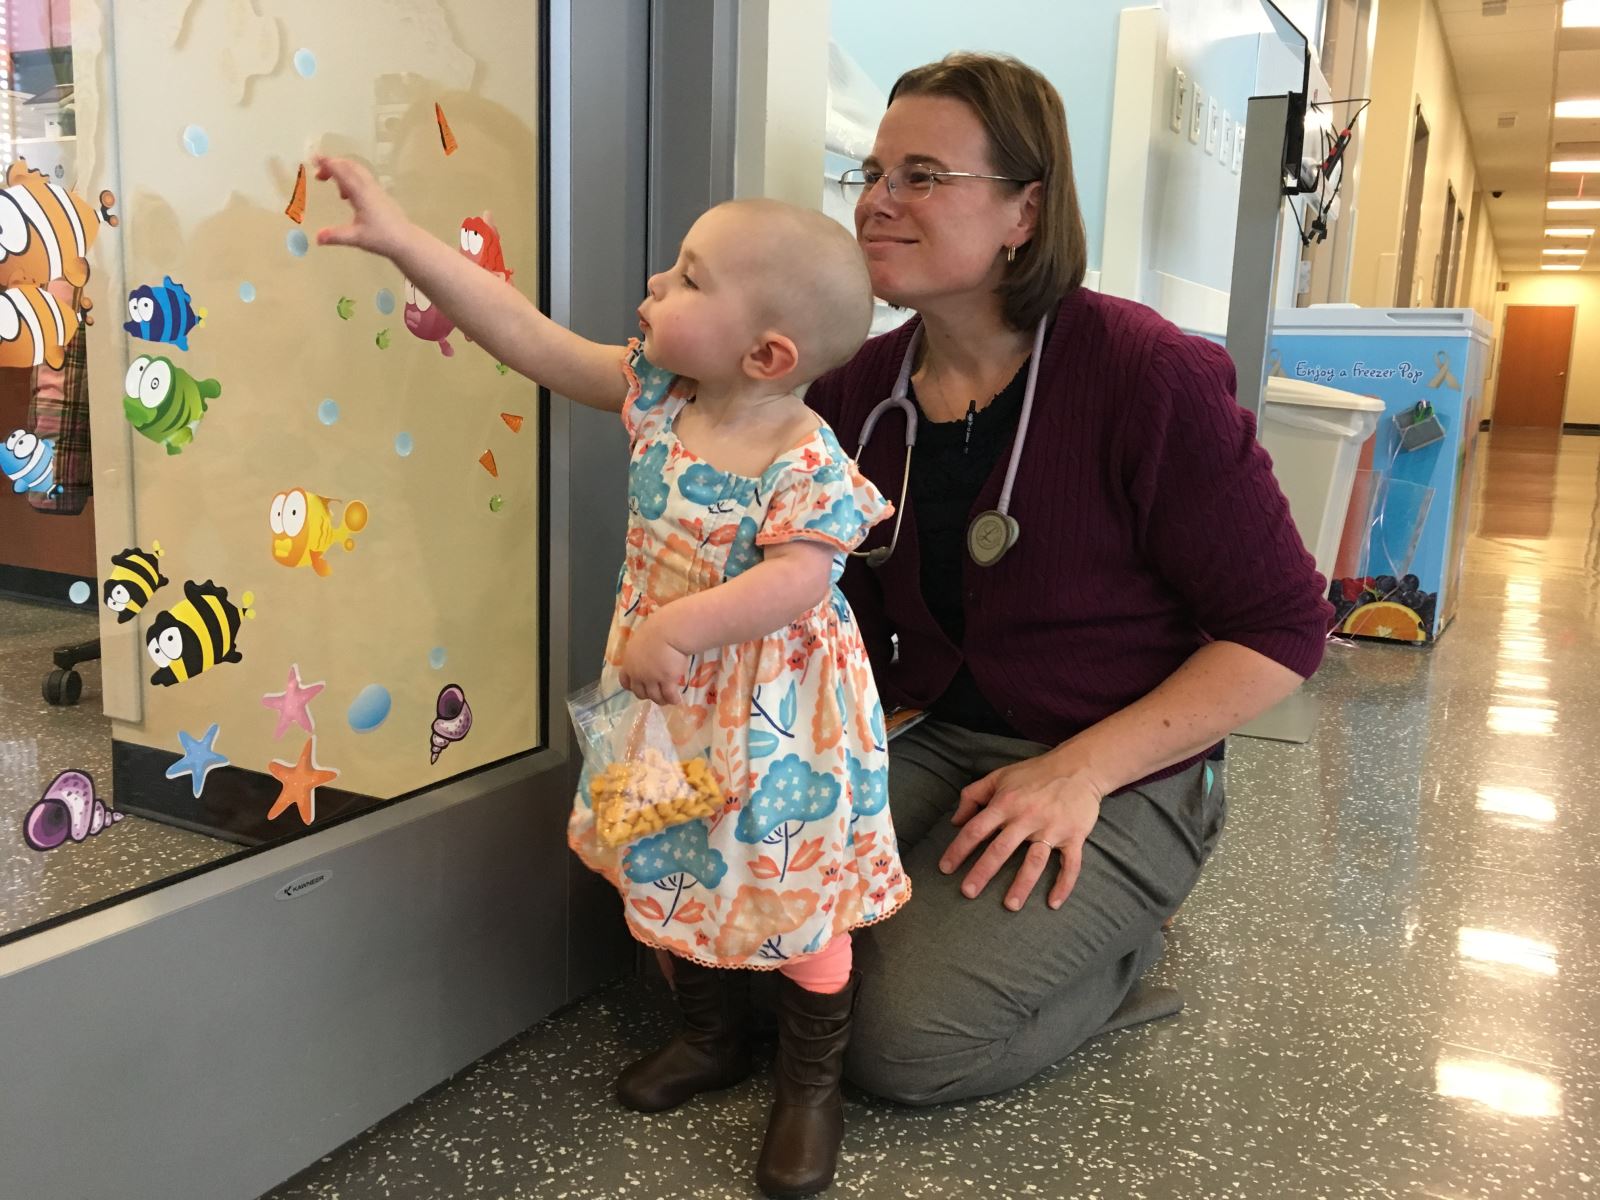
<point x="62" y="688"/>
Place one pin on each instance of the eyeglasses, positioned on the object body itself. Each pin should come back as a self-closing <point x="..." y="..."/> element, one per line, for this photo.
<point x="906" y="182"/>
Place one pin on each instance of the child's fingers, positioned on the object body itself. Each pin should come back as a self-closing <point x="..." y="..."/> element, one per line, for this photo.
<point x="339" y="235"/>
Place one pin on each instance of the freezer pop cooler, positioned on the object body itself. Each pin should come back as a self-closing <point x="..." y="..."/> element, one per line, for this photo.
<point x="1398" y="571"/>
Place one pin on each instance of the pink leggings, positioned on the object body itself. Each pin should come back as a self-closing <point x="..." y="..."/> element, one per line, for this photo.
<point x="827" y="971"/>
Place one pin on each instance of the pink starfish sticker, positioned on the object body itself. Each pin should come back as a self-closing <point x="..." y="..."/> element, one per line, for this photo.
<point x="292" y="704"/>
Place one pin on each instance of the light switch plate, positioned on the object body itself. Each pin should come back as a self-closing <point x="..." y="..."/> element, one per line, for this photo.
<point x="1180" y="99"/>
<point x="1198" y="113"/>
<point x="1213" y="125"/>
<point x="1238" y="149"/>
<point x="1226" y="153"/>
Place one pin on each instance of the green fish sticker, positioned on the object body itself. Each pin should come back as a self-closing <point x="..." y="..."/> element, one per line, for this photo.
<point x="382" y="339"/>
<point x="164" y="402"/>
<point x="345" y="308"/>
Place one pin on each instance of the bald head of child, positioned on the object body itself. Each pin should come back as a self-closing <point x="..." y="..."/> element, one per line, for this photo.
<point x="802" y="278"/>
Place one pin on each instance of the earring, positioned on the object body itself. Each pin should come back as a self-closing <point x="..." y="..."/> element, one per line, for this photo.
<point x="1011" y="254"/>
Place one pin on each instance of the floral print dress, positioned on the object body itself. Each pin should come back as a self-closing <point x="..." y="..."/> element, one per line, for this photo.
<point x="792" y="726"/>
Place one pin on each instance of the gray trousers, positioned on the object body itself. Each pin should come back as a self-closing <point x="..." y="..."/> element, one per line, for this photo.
<point x="962" y="998"/>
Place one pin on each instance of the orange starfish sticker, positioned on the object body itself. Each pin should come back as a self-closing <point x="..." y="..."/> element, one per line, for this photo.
<point x="300" y="780"/>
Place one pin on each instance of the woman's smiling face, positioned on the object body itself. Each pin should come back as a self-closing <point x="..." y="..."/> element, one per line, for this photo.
<point x="952" y="241"/>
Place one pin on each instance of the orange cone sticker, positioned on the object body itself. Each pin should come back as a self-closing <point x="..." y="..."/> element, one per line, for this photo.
<point x="512" y="420"/>
<point x="296" y="211"/>
<point x="487" y="462"/>
<point x="446" y="138"/>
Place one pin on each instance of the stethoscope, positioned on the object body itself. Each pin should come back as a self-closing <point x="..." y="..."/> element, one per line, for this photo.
<point x="992" y="532"/>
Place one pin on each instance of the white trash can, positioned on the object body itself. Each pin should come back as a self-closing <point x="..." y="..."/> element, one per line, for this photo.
<point x="1314" y="435"/>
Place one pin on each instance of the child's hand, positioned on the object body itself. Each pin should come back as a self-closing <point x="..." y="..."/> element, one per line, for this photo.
<point x="380" y="223"/>
<point x="653" y="668"/>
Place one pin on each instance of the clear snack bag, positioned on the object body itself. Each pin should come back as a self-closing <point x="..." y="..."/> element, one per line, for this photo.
<point x="637" y="784"/>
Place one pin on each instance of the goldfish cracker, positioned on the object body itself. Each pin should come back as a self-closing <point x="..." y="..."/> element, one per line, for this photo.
<point x="650" y="793"/>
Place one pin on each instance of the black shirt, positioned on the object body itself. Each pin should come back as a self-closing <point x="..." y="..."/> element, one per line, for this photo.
<point x="951" y="463"/>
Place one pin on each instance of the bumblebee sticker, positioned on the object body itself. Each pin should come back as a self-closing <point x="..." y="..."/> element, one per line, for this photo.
<point x="196" y="634"/>
<point x="135" y="577"/>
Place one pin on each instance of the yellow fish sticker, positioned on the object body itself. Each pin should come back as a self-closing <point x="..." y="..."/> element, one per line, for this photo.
<point x="303" y="528"/>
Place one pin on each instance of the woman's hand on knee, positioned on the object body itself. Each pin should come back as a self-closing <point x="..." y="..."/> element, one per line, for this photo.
<point x="1045" y="801"/>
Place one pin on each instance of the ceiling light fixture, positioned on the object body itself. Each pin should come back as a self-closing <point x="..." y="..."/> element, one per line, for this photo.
<point x="1580" y="14"/>
<point x="1560" y="267"/>
<point x="1566" y="253"/>
<point x="1573" y="205"/>
<point x="1575" y="166"/>
<point x="1586" y="110"/>
<point x="1571" y="231"/>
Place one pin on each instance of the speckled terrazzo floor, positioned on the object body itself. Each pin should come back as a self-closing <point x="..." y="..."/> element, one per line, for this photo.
<point x="37" y="742"/>
<point x="1392" y="965"/>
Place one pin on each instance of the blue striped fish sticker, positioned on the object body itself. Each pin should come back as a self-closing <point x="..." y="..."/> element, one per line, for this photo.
<point x="161" y="314"/>
<point x="29" y="463"/>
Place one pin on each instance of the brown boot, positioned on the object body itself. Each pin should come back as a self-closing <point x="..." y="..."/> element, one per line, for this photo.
<point x="712" y="1051"/>
<point x="807" y="1120"/>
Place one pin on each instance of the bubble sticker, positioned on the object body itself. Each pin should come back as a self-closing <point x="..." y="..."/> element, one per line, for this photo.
<point x="370" y="708"/>
<point x="403" y="445"/>
<point x="327" y="412"/>
<point x="247" y="292"/>
<point x="196" y="141"/>
<point x="305" y="62"/>
<point x="385" y="301"/>
<point x="298" y="243"/>
<point x="68" y="811"/>
<point x="496" y="502"/>
<point x="436" y="658"/>
<point x="79" y="592"/>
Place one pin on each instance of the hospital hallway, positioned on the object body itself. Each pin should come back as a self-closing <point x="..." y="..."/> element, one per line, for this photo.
<point x="1391" y="966"/>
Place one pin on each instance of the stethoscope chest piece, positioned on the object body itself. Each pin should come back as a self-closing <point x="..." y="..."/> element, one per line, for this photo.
<point x="990" y="535"/>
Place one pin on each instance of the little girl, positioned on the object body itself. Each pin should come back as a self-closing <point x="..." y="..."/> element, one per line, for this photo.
<point x="743" y="506"/>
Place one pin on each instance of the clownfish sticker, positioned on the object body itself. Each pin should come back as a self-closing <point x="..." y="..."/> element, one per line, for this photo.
<point x="303" y="528"/>
<point x="196" y="634"/>
<point x="135" y="577"/>
<point x="34" y="328"/>
<point x="45" y="230"/>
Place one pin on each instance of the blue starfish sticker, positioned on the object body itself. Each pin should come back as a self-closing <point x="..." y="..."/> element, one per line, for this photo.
<point x="199" y="759"/>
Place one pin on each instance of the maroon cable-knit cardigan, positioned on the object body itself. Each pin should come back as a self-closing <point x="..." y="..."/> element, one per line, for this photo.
<point x="1151" y="525"/>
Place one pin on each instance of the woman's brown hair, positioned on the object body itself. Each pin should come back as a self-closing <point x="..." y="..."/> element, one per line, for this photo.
<point x="1026" y="124"/>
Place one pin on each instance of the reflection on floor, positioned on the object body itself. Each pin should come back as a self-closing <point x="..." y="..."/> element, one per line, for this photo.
<point x="1392" y="966"/>
<point x="37" y="742"/>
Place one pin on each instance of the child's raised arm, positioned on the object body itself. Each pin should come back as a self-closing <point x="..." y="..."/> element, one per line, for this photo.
<point x="487" y="309"/>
